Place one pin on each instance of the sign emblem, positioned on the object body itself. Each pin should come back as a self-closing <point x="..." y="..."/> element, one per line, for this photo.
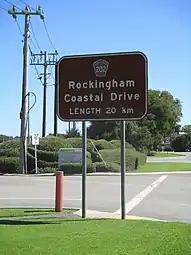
<point x="100" y="67"/>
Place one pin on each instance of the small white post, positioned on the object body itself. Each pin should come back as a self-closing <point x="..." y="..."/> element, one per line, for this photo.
<point x="36" y="167"/>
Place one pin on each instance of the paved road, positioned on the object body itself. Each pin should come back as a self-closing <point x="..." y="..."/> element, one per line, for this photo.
<point x="186" y="158"/>
<point x="170" y="200"/>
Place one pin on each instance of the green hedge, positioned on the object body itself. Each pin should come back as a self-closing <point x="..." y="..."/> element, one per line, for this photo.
<point x="117" y="144"/>
<point x="40" y="163"/>
<point x="12" y="152"/>
<point x="10" y="144"/>
<point x="9" y="165"/>
<point x="74" y="142"/>
<point x="151" y="153"/>
<point x="53" y="143"/>
<point x="75" y="168"/>
<point x="48" y="156"/>
<point x="104" y="145"/>
<point x="133" y="158"/>
<point x="108" y="167"/>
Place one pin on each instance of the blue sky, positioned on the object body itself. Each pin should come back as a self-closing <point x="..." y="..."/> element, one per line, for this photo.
<point x="159" y="28"/>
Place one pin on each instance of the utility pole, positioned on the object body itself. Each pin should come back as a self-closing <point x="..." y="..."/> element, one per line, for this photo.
<point x="44" y="59"/>
<point x="23" y="114"/>
<point x="29" y="119"/>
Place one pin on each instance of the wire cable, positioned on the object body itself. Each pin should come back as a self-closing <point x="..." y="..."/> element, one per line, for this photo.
<point x="23" y="2"/>
<point x="32" y="42"/>
<point x="48" y="35"/>
<point x="19" y="28"/>
<point x="1" y="7"/>
<point x="13" y="4"/>
<point x="34" y="36"/>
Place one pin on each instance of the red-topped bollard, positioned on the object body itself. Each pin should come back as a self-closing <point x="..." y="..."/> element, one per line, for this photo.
<point x="59" y="191"/>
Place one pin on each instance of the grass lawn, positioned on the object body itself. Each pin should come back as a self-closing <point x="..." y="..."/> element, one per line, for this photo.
<point x="28" y="211"/>
<point x="162" y="167"/>
<point x="168" y="154"/>
<point x="94" y="237"/>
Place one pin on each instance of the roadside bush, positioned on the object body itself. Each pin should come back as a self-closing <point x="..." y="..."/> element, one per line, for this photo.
<point x="75" y="168"/>
<point x="151" y="153"/>
<point x="133" y="158"/>
<point x="75" y="142"/>
<point x="48" y="156"/>
<point x="9" y="165"/>
<point x="12" y="152"/>
<point x="53" y="143"/>
<point x="108" y="167"/>
<point x="46" y="170"/>
<point x="10" y="144"/>
<point x="95" y="156"/>
<point x="103" y="144"/>
<point x="41" y="164"/>
<point x="117" y="144"/>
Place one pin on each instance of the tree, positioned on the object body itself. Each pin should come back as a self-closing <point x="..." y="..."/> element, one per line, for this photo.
<point x="141" y="139"/>
<point x="186" y="129"/>
<point x="108" y="130"/>
<point x="74" y="132"/>
<point x="182" y="143"/>
<point x="164" y="113"/>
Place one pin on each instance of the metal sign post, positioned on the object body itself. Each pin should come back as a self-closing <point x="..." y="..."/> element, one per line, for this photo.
<point x="35" y="142"/>
<point x="111" y="86"/>
<point x="123" y="169"/>
<point x="84" y="168"/>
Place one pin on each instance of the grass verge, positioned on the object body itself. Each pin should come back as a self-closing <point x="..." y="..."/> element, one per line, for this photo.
<point x="168" y="154"/>
<point x="165" y="167"/>
<point x="28" y="211"/>
<point x="98" y="237"/>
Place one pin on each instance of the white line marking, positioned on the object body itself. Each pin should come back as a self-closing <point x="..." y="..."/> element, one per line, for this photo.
<point x="139" y="197"/>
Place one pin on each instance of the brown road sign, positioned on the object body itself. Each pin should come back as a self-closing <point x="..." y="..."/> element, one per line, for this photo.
<point x="102" y="87"/>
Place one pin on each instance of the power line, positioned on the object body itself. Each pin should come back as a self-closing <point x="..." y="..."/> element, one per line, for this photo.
<point x="23" y="2"/>
<point x="34" y="36"/>
<point x="32" y="42"/>
<point x="18" y="26"/>
<point x="48" y="35"/>
<point x="13" y="4"/>
<point x="1" y="7"/>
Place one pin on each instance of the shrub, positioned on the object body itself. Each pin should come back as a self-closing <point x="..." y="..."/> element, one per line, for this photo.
<point x="53" y="143"/>
<point x="75" y="142"/>
<point x="103" y="144"/>
<point x="75" y="168"/>
<point x="108" y="167"/>
<point x="10" y="144"/>
<point x="117" y="144"/>
<point x="133" y="158"/>
<point x="12" y="152"/>
<point x="151" y="153"/>
<point x="9" y="165"/>
<point x="47" y="170"/>
<point x="40" y="164"/>
<point x="95" y="156"/>
<point x="48" y="156"/>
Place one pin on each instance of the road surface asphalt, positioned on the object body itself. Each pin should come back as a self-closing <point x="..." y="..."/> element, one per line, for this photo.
<point x="160" y="196"/>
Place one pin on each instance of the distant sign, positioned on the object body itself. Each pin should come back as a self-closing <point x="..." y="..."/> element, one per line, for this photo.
<point x="167" y="140"/>
<point x="35" y="139"/>
<point x="69" y="155"/>
<point x="102" y="87"/>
